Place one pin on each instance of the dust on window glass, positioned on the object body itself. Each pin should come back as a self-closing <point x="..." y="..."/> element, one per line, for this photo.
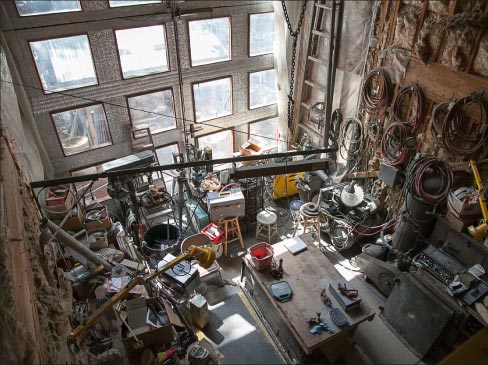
<point x="36" y="7"/>
<point x="221" y="143"/>
<point x="209" y="41"/>
<point x="154" y="111"/>
<point x="165" y="157"/>
<point x="262" y="88"/>
<point x="213" y="99"/>
<point x="261" y="33"/>
<point x="142" y="51"/>
<point x="265" y="132"/>
<point x="64" y="63"/>
<point x="82" y="129"/>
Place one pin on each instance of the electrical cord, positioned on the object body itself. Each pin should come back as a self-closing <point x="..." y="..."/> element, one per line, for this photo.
<point x="393" y="147"/>
<point x="437" y="118"/>
<point x="351" y="134"/>
<point x="416" y="118"/>
<point x="376" y="91"/>
<point x="454" y="139"/>
<point x="335" y="125"/>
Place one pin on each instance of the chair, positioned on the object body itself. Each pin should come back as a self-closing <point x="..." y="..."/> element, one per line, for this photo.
<point x="201" y="239"/>
<point x="230" y="226"/>
<point x="266" y="226"/>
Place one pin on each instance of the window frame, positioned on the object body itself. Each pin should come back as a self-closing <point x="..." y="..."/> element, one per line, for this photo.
<point x="208" y="80"/>
<point x="81" y="107"/>
<point x="125" y="6"/>
<point x="249" y="35"/>
<point x="233" y="134"/>
<point x="151" y="92"/>
<point x="47" y="14"/>
<point x="263" y="120"/>
<point x="118" y="51"/>
<point x="249" y="89"/>
<point x="229" y="17"/>
<point x="29" y="41"/>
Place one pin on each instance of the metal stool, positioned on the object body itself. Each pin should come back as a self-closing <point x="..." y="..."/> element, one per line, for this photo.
<point x="230" y="226"/>
<point x="309" y="218"/>
<point x="266" y="221"/>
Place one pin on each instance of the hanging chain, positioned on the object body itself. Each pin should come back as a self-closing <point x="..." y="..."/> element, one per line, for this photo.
<point x="294" y="34"/>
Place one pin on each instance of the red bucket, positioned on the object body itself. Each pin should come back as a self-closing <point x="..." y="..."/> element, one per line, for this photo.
<point x="261" y="255"/>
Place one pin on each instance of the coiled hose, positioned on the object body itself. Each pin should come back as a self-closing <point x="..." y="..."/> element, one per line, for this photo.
<point x="416" y="118"/>
<point x="459" y="142"/>
<point x="376" y="91"/>
<point x="393" y="147"/>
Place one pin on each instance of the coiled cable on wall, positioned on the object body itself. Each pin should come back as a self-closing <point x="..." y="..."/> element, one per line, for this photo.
<point x="437" y="118"/>
<point x="335" y="125"/>
<point x="459" y="142"/>
<point x="393" y="147"/>
<point x="350" y="134"/>
<point x="417" y="174"/>
<point x="416" y="118"/>
<point x="376" y="91"/>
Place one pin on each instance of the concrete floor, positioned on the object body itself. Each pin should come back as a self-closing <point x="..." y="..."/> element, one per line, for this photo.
<point x="376" y="343"/>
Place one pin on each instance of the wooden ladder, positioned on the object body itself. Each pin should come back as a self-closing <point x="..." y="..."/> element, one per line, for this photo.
<point x="325" y="12"/>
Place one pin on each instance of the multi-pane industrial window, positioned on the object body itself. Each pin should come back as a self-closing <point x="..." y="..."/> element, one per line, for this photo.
<point x="64" y="63"/>
<point x="142" y="51"/>
<point x="221" y="143"/>
<point x="213" y="99"/>
<point x="265" y="132"/>
<point x="262" y="88"/>
<point x="118" y="3"/>
<point x="209" y="41"/>
<point x="154" y="111"/>
<point x="261" y="33"/>
<point x="99" y="187"/>
<point x="82" y="129"/>
<point x="165" y="157"/>
<point x="36" y="7"/>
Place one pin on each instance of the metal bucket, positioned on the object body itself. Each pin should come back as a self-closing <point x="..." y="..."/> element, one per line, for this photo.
<point x="160" y="240"/>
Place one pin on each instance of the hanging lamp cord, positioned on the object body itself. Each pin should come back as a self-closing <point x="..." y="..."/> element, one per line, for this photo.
<point x="294" y="34"/>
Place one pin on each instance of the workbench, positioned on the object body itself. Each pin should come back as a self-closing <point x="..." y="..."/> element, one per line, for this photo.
<point x="307" y="273"/>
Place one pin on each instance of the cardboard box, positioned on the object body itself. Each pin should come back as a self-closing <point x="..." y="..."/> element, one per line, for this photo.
<point x="102" y="218"/>
<point x="461" y="208"/>
<point x="75" y="222"/>
<point x="137" y="310"/>
<point x="250" y="148"/>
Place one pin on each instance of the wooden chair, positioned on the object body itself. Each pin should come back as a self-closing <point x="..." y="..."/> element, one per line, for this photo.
<point x="230" y="226"/>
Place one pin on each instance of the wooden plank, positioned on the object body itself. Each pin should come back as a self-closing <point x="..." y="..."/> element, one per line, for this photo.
<point x="441" y="83"/>
<point x="473" y="351"/>
<point x="420" y="22"/>
<point x="308" y="273"/>
<point x="476" y="45"/>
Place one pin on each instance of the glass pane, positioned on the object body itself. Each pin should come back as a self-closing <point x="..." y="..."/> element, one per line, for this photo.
<point x="213" y="99"/>
<point x="142" y="51"/>
<point x="82" y="129"/>
<point x="117" y="3"/>
<point x="153" y="110"/>
<point x="262" y="88"/>
<point x="261" y="34"/>
<point x="221" y="143"/>
<point x="99" y="187"/>
<point x="165" y="157"/>
<point x="265" y="133"/>
<point x="64" y="63"/>
<point x="36" y="7"/>
<point x="209" y="41"/>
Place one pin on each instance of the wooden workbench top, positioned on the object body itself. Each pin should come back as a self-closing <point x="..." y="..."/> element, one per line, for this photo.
<point x="308" y="273"/>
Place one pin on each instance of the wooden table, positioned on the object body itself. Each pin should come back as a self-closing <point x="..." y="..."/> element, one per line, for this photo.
<point x="308" y="273"/>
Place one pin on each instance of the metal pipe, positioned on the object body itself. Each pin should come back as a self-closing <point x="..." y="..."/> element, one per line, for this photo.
<point x="67" y="240"/>
<point x="178" y="166"/>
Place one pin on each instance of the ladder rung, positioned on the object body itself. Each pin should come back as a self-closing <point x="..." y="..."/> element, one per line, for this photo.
<point x="306" y="105"/>
<point x="323" y="6"/>
<point x="321" y="33"/>
<point x="316" y="85"/>
<point x="322" y="61"/>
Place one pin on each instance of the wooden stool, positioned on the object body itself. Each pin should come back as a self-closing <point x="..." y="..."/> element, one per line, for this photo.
<point x="308" y="222"/>
<point x="266" y="221"/>
<point x="230" y="226"/>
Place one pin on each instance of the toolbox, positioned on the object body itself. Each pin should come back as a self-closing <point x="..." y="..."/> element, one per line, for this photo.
<point x="226" y="204"/>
